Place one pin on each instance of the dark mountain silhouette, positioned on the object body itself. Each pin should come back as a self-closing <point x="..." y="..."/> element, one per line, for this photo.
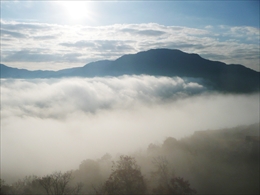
<point x="158" y="62"/>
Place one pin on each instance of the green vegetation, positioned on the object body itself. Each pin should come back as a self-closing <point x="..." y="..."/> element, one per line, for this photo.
<point x="208" y="162"/>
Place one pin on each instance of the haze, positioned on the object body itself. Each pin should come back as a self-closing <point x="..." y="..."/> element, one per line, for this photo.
<point x="54" y="124"/>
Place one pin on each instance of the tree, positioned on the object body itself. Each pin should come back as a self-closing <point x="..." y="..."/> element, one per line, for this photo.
<point x="28" y="185"/>
<point x="89" y="173"/>
<point x="162" y="170"/>
<point x="126" y="178"/>
<point x="4" y="188"/>
<point x="58" y="184"/>
<point x="169" y="184"/>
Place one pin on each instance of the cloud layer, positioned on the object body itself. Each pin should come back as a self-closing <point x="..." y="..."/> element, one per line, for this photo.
<point x="55" y="124"/>
<point x="56" y="47"/>
<point x="58" y="98"/>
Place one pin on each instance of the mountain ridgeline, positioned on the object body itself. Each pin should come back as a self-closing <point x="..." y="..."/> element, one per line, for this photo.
<point x="216" y="75"/>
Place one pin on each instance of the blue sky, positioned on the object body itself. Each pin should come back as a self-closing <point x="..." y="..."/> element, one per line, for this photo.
<point x="61" y="34"/>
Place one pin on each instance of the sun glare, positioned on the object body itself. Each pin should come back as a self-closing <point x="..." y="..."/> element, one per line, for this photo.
<point x="77" y="11"/>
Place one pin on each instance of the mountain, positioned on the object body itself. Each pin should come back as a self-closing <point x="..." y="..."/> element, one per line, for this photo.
<point x="8" y="72"/>
<point x="216" y="75"/>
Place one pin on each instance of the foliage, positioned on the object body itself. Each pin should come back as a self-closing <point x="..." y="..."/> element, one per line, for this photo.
<point x="28" y="185"/>
<point x="162" y="169"/>
<point x="207" y="160"/>
<point x="166" y="183"/>
<point x="3" y="187"/>
<point x="90" y="174"/>
<point x="126" y="178"/>
<point x="176" y="185"/>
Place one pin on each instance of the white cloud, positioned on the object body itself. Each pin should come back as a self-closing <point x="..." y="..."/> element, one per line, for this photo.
<point x="54" y="124"/>
<point x="61" y="97"/>
<point x="244" y="30"/>
<point x="113" y="41"/>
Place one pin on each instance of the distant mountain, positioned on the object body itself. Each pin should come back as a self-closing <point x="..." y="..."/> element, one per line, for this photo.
<point x="158" y="62"/>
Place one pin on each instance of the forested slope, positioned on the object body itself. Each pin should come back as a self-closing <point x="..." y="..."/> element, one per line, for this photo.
<point x="222" y="161"/>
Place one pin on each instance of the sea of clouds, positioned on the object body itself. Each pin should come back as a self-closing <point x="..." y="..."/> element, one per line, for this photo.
<point x="53" y="124"/>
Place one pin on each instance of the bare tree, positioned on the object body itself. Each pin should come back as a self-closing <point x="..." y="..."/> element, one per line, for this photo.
<point x="58" y="184"/>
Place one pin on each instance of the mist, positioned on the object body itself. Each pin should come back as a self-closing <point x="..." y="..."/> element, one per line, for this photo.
<point x="54" y="124"/>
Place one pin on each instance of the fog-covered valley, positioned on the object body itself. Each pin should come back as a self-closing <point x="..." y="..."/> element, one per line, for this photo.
<point x="50" y="125"/>
<point x="129" y="97"/>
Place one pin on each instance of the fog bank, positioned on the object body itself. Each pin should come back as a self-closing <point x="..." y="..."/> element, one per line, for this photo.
<point x="53" y="124"/>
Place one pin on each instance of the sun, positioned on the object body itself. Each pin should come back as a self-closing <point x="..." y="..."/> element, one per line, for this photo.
<point x="77" y="10"/>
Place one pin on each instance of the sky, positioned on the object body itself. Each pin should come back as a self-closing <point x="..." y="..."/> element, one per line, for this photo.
<point x="52" y="35"/>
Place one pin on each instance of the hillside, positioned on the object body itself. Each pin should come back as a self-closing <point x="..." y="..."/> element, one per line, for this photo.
<point x="211" y="162"/>
<point x="158" y="62"/>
